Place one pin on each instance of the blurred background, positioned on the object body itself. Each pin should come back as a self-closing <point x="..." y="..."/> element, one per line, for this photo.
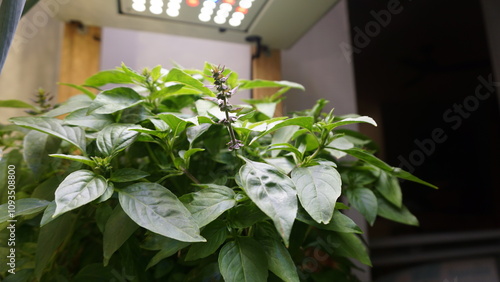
<point x="425" y="70"/>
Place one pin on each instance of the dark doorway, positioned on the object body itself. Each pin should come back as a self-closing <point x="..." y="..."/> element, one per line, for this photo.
<point x="423" y="71"/>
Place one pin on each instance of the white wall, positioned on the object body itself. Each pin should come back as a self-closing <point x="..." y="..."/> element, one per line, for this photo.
<point x="139" y="49"/>
<point x="317" y="62"/>
<point x="33" y="60"/>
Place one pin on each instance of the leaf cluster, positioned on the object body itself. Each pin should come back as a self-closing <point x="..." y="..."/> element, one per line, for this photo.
<point x="137" y="183"/>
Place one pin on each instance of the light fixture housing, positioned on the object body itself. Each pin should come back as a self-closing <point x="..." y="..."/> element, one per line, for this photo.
<point x="221" y="14"/>
<point x="280" y="23"/>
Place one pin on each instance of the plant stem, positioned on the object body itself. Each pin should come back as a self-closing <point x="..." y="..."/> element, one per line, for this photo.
<point x="188" y="174"/>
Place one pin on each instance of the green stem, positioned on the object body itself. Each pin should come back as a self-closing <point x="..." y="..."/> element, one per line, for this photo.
<point x="229" y="127"/>
<point x="188" y="174"/>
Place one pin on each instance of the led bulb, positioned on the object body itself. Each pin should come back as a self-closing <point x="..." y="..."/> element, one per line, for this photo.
<point x="222" y="13"/>
<point x="172" y="12"/>
<point x="246" y="4"/>
<point x="206" y="10"/>
<point x="204" y="17"/>
<point x="155" y="10"/>
<point x="238" y="15"/>
<point x="156" y="3"/>
<point x="234" y="22"/>
<point x="209" y="4"/>
<point x="139" y="7"/>
<point x="219" y="20"/>
<point x="226" y="7"/>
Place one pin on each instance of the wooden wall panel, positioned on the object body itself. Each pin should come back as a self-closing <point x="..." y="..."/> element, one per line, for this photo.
<point x="80" y="56"/>
<point x="267" y="66"/>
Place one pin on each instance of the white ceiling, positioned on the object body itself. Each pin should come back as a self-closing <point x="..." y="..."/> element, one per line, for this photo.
<point x="280" y="24"/>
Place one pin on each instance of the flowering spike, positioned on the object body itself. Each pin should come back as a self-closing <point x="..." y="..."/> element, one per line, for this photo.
<point x="224" y="93"/>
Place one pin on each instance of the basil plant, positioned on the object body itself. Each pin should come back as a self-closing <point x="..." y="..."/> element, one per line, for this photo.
<point x="159" y="177"/>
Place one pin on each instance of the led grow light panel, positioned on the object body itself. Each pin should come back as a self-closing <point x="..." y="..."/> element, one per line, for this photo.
<point x="225" y="14"/>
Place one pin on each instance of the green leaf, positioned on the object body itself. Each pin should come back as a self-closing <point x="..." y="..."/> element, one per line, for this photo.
<point x="108" y="193"/>
<point x="279" y="260"/>
<point x="10" y="13"/>
<point x="305" y="122"/>
<point x="118" y="229"/>
<point x="364" y="200"/>
<point x="175" y="123"/>
<point x="77" y="189"/>
<point x="177" y="75"/>
<point x="45" y="190"/>
<point x="37" y="146"/>
<point x="258" y="83"/>
<point x="351" y="120"/>
<point x="204" y="272"/>
<point x="194" y="132"/>
<point x="286" y="147"/>
<point x="156" y="73"/>
<point x="246" y="215"/>
<point x="93" y="121"/>
<point x="114" y="100"/>
<point x="349" y="245"/>
<point x="368" y="157"/>
<point x="84" y="90"/>
<point x="388" y="186"/>
<point x="283" y="135"/>
<point x="54" y="127"/>
<point x="266" y="108"/>
<point x="371" y="159"/>
<point x="22" y="207"/>
<point x="168" y="248"/>
<point x="392" y="212"/>
<point x="80" y="159"/>
<point x="209" y="203"/>
<point x="187" y="154"/>
<point x="102" y="214"/>
<point x="108" y="77"/>
<point x="94" y="272"/>
<point x="215" y="233"/>
<point x="155" y="208"/>
<point x="174" y="90"/>
<point x="48" y="213"/>
<point x="273" y="192"/>
<point x="318" y="188"/>
<point x="398" y="172"/>
<point x="159" y="124"/>
<point x="15" y="104"/>
<point x="127" y="175"/>
<point x="339" y="143"/>
<point x="115" y="138"/>
<point x="243" y="260"/>
<point x="132" y="74"/>
<point x="283" y="164"/>
<point x="339" y="223"/>
<point x="72" y="104"/>
<point x="50" y="238"/>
